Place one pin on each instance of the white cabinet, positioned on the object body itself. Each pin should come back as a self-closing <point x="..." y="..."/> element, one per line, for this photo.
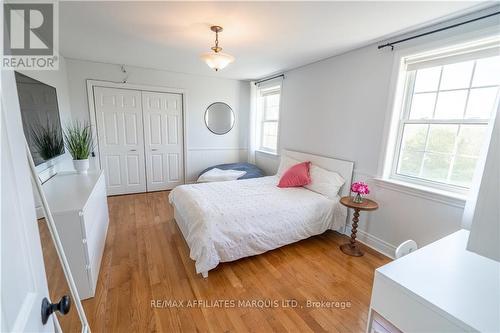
<point x="441" y="287"/>
<point x="79" y="205"/>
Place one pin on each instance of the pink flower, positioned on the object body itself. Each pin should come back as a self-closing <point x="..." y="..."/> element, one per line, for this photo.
<point x="360" y="187"/>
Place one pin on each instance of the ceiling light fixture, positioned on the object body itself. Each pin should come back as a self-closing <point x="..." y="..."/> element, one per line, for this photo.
<point x="217" y="60"/>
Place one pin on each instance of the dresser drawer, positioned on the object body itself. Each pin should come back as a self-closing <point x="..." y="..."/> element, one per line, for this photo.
<point x="96" y="251"/>
<point x="96" y="206"/>
<point x="97" y="232"/>
<point x="95" y="222"/>
<point x="404" y="311"/>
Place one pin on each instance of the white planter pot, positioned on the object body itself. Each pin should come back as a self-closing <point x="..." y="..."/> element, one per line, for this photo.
<point x="81" y="166"/>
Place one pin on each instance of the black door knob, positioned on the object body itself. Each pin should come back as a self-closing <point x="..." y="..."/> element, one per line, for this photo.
<point x="48" y="308"/>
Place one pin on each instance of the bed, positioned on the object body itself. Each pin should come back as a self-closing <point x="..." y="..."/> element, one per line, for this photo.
<point x="226" y="221"/>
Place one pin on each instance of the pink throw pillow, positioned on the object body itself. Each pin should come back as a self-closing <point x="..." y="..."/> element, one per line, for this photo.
<point x="297" y="175"/>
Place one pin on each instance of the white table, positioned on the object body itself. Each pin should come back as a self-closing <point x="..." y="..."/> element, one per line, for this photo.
<point x="441" y="287"/>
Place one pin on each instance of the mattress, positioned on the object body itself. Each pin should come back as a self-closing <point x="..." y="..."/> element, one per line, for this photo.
<point x="226" y="221"/>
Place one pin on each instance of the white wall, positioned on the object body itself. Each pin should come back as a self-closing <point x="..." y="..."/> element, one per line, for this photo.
<point x="339" y="107"/>
<point x="203" y="147"/>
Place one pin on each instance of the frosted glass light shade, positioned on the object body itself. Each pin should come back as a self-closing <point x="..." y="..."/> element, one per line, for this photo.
<point x="217" y="60"/>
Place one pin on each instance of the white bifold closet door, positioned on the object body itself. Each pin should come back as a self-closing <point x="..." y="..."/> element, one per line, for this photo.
<point x="162" y="114"/>
<point x="140" y="139"/>
<point x="121" y="139"/>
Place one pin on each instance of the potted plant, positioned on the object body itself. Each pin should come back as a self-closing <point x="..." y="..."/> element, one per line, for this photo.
<point x="78" y="141"/>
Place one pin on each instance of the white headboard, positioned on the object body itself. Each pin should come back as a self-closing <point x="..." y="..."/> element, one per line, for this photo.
<point x="342" y="167"/>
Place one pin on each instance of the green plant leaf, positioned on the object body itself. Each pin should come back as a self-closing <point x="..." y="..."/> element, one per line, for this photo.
<point x="78" y="140"/>
<point x="47" y="140"/>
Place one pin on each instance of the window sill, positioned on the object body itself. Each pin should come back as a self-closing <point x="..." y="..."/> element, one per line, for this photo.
<point x="270" y="153"/>
<point x="445" y="197"/>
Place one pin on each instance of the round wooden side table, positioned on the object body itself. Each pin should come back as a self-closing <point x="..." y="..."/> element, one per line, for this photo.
<point x="352" y="248"/>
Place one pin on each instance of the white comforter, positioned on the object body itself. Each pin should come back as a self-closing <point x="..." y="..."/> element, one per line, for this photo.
<point x="225" y="221"/>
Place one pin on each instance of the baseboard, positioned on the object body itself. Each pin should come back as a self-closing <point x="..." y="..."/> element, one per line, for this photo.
<point x="373" y="242"/>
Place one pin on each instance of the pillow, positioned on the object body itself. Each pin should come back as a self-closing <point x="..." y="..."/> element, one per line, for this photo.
<point x="297" y="175"/>
<point x="285" y="164"/>
<point x="218" y="175"/>
<point x="327" y="183"/>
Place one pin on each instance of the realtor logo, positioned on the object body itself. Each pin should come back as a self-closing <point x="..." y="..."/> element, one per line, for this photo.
<point x="30" y="36"/>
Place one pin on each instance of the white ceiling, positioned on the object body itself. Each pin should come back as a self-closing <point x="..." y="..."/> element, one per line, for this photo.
<point x="265" y="37"/>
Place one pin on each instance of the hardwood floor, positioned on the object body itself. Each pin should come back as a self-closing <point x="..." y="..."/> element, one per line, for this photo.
<point x="56" y="281"/>
<point x="147" y="260"/>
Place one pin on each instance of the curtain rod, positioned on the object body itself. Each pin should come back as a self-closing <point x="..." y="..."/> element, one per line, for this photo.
<point x="271" y="78"/>
<point x="437" y="30"/>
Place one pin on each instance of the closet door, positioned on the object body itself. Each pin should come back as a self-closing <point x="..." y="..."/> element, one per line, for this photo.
<point x="163" y="136"/>
<point x="121" y="139"/>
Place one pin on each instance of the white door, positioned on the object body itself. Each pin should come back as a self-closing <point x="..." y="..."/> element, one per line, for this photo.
<point x="23" y="281"/>
<point x="121" y="139"/>
<point x="163" y="139"/>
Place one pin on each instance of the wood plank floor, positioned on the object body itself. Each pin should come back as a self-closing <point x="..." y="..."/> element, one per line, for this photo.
<point x="147" y="259"/>
<point x="56" y="281"/>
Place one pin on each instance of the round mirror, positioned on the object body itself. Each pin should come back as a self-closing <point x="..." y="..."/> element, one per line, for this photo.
<point x="219" y="118"/>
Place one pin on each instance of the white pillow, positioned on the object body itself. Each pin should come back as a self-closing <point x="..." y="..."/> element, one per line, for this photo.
<point x="218" y="175"/>
<point x="327" y="183"/>
<point x="285" y="164"/>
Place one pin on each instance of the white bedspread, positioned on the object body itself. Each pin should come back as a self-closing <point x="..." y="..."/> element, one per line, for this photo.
<point x="225" y="221"/>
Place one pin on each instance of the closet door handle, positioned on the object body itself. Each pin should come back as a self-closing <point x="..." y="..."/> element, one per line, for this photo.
<point x="132" y="150"/>
<point x="154" y="149"/>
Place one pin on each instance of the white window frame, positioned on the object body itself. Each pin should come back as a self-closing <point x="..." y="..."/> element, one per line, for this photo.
<point x="268" y="90"/>
<point x="404" y="99"/>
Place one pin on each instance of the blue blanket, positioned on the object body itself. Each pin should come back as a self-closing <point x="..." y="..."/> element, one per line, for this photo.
<point x="252" y="170"/>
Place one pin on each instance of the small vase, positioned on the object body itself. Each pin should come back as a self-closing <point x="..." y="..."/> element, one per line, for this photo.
<point x="81" y="166"/>
<point x="357" y="198"/>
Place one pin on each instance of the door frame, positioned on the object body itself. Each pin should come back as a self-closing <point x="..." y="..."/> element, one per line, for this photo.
<point x="109" y="84"/>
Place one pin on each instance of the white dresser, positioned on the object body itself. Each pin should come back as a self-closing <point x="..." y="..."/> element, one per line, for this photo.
<point x="441" y="287"/>
<point x="79" y="205"/>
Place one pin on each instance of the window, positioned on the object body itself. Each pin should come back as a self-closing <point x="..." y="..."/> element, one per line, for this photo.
<point x="447" y="105"/>
<point x="268" y="118"/>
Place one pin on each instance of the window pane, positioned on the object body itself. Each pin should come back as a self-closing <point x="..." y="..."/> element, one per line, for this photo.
<point x="271" y="107"/>
<point x="487" y="72"/>
<point x="270" y="128"/>
<point x="445" y="120"/>
<point x="442" y="138"/>
<point x="451" y="104"/>
<point x="481" y="103"/>
<point x="270" y="135"/>
<point x="271" y="113"/>
<point x="270" y="142"/>
<point x="273" y="100"/>
<point x="410" y="163"/>
<point x="422" y="106"/>
<point x="471" y="139"/>
<point x="456" y="76"/>
<point x="463" y="171"/>
<point x="414" y="136"/>
<point x="436" y="166"/>
<point x="427" y="79"/>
